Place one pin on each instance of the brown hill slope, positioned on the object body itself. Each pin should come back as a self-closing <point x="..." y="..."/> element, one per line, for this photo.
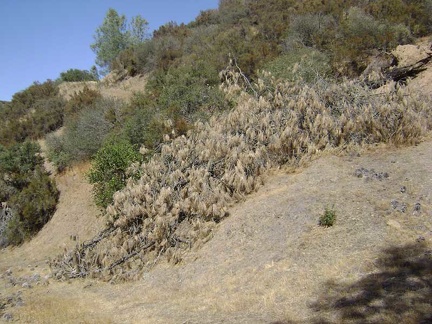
<point x="270" y="261"/>
<point x="114" y="85"/>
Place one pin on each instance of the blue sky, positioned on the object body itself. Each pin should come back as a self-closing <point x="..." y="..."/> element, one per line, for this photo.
<point x="39" y="39"/>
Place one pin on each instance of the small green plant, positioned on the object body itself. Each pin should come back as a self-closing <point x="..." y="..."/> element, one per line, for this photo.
<point x="328" y="218"/>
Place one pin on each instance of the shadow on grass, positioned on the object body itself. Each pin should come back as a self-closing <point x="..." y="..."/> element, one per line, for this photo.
<point x="400" y="291"/>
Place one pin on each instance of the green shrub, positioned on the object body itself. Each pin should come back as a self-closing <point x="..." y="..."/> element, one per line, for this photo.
<point x="191" y="88"/>
<point x="84" y="134"/>
<point x="76" y="75"/>
<point x="27" y="189"/>
<point x="32" y="207"/>
<point x="28" y="97"/>
<point x="81" y="100"/>
<point x="144" y="127"/>
<point x="108" y="173"/>
<point x="328" y="218"/>
<point x="18" y="163"/>
<point x="31" y="113"/>
<point x="166" y="51"/>
<point x="301" y="63"/>
<point x="312" y="30"/>
<point x="57" y="152"/>
<point x="206" y="18"/>
<point x="413" y="14"/>
<point x="47" y="117"/>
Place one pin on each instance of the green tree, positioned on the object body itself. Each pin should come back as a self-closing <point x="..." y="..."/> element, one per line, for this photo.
<point x="138" y="30"/>
<point x="114" y="36"/>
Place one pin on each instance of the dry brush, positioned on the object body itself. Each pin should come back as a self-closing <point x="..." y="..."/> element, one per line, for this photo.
<point x="186" y="189"/>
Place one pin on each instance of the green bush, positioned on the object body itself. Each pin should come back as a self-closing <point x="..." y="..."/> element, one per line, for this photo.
<point x="76" y="75"/>
<point x="84" y="134"/>
<point x="360" y="33"/>
<point x="108" y="173"/>
<point x="57" y="152"/>
<point x="18" y="163"/>
<point x="301" y="63"/>
<point x="191" y="88"/>
<point x="27" y="189"/>
<point x="312" y="30"/>
<point x="81" y="100"/>
<point x="31" y="113"/>
<point x="328" y="218"/>
<point x="415" y="15"/>
<point x="32" y="207"/>
<point x="144" y="126"/>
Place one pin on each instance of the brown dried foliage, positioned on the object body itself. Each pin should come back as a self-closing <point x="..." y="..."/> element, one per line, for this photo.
<point x="186" y="189"/>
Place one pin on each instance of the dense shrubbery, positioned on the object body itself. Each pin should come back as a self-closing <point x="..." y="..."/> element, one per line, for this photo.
<point x="300" y="63"/>
<point x="79" y="101"/>
<point x="256" y="32"/>
<point x="31" y="114"/>
<point x="28" y="190"/>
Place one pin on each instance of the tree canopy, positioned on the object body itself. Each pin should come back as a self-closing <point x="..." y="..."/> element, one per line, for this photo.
<point x="115" y="35"/>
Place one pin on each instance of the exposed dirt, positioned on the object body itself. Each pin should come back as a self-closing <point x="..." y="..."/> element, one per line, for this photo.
<point x="269" y="261"/>
<point x="108" y="87"/>
<point x="423" y="81"/>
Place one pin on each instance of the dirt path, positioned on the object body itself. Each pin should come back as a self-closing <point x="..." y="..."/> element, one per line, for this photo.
<point x="268" y="262"/>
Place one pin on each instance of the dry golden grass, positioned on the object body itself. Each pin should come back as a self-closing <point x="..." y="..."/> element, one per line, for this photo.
<point x="67" y="305"/>
<point x="108" y="87"/>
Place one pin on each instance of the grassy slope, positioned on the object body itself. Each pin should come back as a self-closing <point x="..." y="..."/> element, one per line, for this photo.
<point x="269" y="261"/>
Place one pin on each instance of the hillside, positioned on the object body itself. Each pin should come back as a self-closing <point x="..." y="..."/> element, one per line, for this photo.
<point x="269" y="262"/>
<point x="186" y="190"/>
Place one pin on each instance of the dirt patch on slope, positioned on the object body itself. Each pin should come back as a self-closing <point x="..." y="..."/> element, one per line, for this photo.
<point x="109" y="87"/>
<point x="269" y="261"/>
<point x="423" y="81"/>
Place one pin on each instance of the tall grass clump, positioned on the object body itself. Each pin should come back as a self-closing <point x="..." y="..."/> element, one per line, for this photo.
<point x="186" y="188"/>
